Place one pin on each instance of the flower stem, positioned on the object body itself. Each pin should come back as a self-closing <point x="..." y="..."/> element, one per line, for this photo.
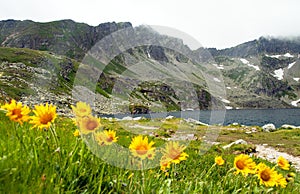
<point x="54" y="135"/>
<point x="209" y="171"/>
<point x="143" y="177"/>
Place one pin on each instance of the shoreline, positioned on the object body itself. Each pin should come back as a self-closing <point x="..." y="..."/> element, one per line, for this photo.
<point x="249" y="117"/>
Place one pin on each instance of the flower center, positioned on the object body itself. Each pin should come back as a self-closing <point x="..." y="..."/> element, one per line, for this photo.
<point x="281" y="163"/>
<point x="174" y="154"/>
<point x="91" y="125"/>
<point x="141" y="150"/>
<point x="83" y="110"/>
<point x="46" y="118"/>
<point x="164" y="163"/>
<point x="240" y="165"/>
<point x="265" y="176"/>
<point x="109" y="138"/>
<point x="17" y="112"/>
<point x="219" y="161"/>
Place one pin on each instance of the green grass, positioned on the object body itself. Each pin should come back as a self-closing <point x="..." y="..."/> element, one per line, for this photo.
<point x="30" y="162"/>
<point x="24" y="55"/>
<point x="283" y="139"/>
<point x="63" y="67"/>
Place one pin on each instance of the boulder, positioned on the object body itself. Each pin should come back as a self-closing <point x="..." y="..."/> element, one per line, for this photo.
<point x="137" y="118"/>
<point x="169" y="117"/>
<point x="269" y="127"/>
<point x="194" y="121"/>
<point x="239" y="141"/>
<point x="286" y="126"/>
<point x="128" y="118"/>
<point x="235" y="124"/>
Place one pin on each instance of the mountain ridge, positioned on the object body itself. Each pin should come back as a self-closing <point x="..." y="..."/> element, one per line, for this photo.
<point x="260" y="46"/>
<point x="64" y="37"/>
<point x="262" y="73"/>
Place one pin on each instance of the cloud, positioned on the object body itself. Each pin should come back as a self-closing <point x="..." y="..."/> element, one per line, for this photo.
<point x="214" y="23"/>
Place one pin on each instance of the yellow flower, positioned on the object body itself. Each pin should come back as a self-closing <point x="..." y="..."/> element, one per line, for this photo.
<point x="219" y="160"/>
<point x="75" y="121"/>
<point x="283" y="163"/>
<point x="244" y="164"/>
<point x="266" y="175"/>
<point x="174" y="152"/>
<point x="16" y="112"/>
<point x="165" y="163"/>
<point x="76" y="133"/>
<point x="81" y="109"/>
<point x="291" y="174"/>
<point x="44" y="116"/>
<point x="89" y="124"/>
<point x="106" y="137"/>
<point x="280" y="181"/>
<point x="140" y="147"/>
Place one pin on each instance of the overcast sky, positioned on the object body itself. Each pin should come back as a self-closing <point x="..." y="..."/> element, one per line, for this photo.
<point x="214" y="23"/>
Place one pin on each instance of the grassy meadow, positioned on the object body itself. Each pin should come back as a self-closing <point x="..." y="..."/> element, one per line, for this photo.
<point x="57" y="160"/>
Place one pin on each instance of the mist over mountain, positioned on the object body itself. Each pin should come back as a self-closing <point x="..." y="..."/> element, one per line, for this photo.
<point x="260" y="46"/>
<point x="39" y="62"/>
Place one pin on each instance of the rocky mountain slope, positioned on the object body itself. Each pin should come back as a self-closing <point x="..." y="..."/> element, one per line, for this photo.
<point x="39" y="62"/>
<point x="64" y="37"/>
<point x="267" y="68"/>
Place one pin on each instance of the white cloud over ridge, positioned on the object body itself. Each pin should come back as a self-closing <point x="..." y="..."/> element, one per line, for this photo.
<point x="213" y="23"/>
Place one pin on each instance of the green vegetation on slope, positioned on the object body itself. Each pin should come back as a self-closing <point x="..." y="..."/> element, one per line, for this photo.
<point x="22" y="67"/>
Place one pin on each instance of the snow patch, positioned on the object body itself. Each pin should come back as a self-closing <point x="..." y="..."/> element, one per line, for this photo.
<point x="216" y="79"/>
<point x="279" y="74"/>
<point x="225" y="101"/>
<point x="148" y="54"/>
<point x="288" y="55"/>
<point x="278" y="56"/>
<point x="294" y="103"/>
<point x="219" y="67"/>
<point x="246" y="62"/>
<point x="254" y="66"/>
<point x="291" y="65"/>
<point x="296" y="79"/>
<point x="275" y="56"/>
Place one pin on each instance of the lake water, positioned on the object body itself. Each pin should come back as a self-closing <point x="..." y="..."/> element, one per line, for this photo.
<point x="258" y="117"/>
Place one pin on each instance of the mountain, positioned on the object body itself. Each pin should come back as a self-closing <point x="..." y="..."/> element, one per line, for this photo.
<point x="266" y="67"/>
<point x="40" y="62"/>
<point x="261" y="46"/>
<point x="64" y="37"/>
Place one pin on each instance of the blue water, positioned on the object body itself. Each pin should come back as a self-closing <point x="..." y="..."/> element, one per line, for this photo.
<point x="245" y="117"/>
